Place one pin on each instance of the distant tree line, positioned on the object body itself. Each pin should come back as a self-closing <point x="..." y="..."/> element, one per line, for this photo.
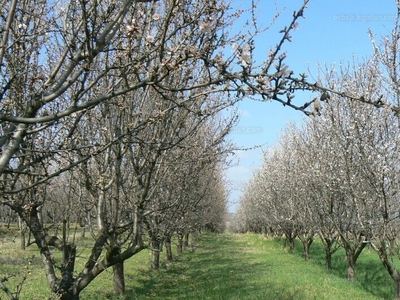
<point x="114" y="121"/>
<point x="336" y="176"/>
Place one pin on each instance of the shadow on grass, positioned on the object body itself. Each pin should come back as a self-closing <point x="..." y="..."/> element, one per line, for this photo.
<point x="244" y="267"/>
<point x="370" y="273"/>
<point x="218" y="269"/>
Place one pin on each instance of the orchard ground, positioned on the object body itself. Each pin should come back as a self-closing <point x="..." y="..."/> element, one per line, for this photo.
<point x="215" y="266"/>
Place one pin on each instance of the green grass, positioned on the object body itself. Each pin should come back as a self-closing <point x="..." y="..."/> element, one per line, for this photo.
<point x="370" y="273"/>
<point x="224" y="266"/>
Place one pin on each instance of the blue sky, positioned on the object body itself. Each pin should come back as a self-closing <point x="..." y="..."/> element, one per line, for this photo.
<point x="332" y="32"/>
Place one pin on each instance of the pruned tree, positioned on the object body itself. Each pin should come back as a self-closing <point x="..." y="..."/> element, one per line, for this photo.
<point x="65" y="68"/>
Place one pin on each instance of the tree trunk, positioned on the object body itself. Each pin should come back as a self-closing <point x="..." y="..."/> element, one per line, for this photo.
<point x="40" y="215"/>
<point x="195" y="235"/>
<point x="168" y="249"/>
<point x="155" y="255"/>
<point x="328" y="257"/>
<point x="387" y="262"/>
<point x="119" y="278"/>
<point x="68" y="261"/>
<point x="331" y="246"/>
<point x="180" y="243"/>
<point x="306" y="247"/>
<point x="306" y="240"/>
<point x="118" y="273"/>
<point x="392" y="271"/>
<point x="291" y="246"/>
<point x="70" y="294"/>
<point x="22" y="231"/>
<point x="8" y="219"/>
<point x="290" y="240"/>
<point x="397" y="288"/>
<point x="90" y="224"/>
<point x="353" y="251"/>
<point x="186" y="240"/>
<point x="351" y="265"/>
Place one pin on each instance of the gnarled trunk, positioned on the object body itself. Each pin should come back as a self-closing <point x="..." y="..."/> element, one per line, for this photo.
<point x="307" y="239"/>
<point x="331" y="246"/>
<point x="119" y="278"/>
<point x="382" y="251"/>
<point x="353" y="251"/>
<point x="352" y="255"/>
<point x="393" y="273"/>
<point x="70" y="294"/>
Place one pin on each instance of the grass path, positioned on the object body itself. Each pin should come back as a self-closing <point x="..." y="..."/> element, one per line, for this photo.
<point x="231" y="266"/>
<point x="226" y="266"/>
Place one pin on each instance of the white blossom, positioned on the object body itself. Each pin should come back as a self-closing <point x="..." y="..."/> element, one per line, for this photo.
<point x="205" y="26"/>
<point x="150" y="39"/>
<point x="132" y="27"/>
<point x="235" y="47"/>
<point x="22" y="26"/>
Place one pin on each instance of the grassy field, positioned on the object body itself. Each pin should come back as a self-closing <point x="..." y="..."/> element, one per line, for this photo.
<point x="225" y="266"/>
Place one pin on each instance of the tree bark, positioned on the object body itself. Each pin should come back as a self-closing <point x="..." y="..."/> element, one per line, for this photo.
<point x="195" y="235"/>
<point x="68" y="262"/>
<point x="118" y="269"/>
<point x="328" y="257"/>
<point x="168" y="249"/>
<point x="397" y="287"/>
<point x="330" y="242"/>
<point x="291" y="245"/>
<point x="180" y="243"/>
<point x="70" y="294"/>
<point x="387" y="262"/>
<point x="306" y="247"/>
<point x="186" y="240"/>
<point x="290" y="238"/>
<point x="22" y="231"/>
<point x="119" y="278"/>
<point x="155" y="255"/>
<point x="8" y="219"/>
<point x="64" y="287"/>
<point x="393" y="273"/>
<point x="353" y="251"/>
<point x="351" y="267"/>
<point x="306" y="239"/>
